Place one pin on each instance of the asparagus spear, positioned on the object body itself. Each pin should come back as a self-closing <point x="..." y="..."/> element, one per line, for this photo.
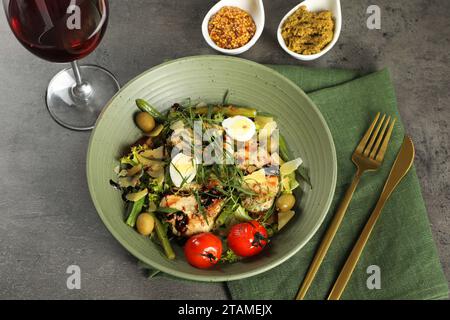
<point x="134" y="208"/>
<point x="229" y="111"/>
<point x="162" y="236"/>
<point x="144" y="106"/>
<point x="285" y="154"/>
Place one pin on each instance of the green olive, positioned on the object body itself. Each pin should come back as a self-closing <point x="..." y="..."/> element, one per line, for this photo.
<point x="145" y="224"/>
<point x="285" y="202"/>
<point x="145" y="122"/>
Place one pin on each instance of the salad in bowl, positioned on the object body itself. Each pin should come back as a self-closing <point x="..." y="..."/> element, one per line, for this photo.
<point x="216" y="179"/>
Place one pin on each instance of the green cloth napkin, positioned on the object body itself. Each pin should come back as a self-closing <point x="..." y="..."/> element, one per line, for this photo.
<point x="401" y="243"/>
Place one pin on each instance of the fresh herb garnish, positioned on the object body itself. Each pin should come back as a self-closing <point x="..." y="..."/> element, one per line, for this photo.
<point x="225" y="98"/>
<point x="200" y="206"/>
<point x="229" y="257"/>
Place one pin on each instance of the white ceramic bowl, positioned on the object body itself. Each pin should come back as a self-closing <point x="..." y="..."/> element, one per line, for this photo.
<point x="254" y="7"/>
<point x="315" y="5"/>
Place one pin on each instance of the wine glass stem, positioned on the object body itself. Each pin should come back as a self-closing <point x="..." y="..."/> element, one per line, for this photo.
<point x="81" y="90"/>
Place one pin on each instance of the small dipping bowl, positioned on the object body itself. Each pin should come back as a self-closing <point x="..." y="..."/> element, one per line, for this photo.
<point x="313" y="6"/>
<point x="253" y="7"/>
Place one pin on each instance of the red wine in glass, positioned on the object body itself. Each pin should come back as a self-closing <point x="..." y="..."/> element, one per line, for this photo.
<point x="66" y="31"/>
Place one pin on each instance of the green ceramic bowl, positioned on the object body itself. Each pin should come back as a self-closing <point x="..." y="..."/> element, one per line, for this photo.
<point x="207" y="78"/>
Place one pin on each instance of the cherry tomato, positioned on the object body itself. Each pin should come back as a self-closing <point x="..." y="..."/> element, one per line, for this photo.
<point x="247" y="239"/>
<point x="203" y="250"/>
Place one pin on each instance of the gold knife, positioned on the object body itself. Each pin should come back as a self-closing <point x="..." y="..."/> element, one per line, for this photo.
<point x="401" y="166"/>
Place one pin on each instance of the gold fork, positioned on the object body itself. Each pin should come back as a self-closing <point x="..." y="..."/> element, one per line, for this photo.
<point x="368" y="156"/>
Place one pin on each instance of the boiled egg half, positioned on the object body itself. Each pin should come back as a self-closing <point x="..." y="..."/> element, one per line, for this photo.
<point x="239" y="128"/>
<point x="183" y="169"/>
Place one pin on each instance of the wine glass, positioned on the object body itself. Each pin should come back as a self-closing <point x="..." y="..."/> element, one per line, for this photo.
<point x="66" y="31"/>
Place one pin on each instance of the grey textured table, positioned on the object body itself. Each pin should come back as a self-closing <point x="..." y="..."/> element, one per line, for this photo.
<point x="47" y="220"/>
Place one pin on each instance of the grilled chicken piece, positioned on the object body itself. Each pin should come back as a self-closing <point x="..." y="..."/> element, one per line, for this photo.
<point x="190" y="220"/>
<point x="250" y="157"/>
<point x="265" y="195"/>
<point x="182" y="138"/>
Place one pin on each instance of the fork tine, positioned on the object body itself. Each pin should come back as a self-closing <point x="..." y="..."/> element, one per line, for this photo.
<point x="379" y="139"/>
<point x="363" y="142"/>
<point x="373" y="137"/>
<point x="382" y="151"/>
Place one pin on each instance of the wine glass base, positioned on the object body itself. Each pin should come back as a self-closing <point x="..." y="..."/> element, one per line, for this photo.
<point x="75" y="113"/>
